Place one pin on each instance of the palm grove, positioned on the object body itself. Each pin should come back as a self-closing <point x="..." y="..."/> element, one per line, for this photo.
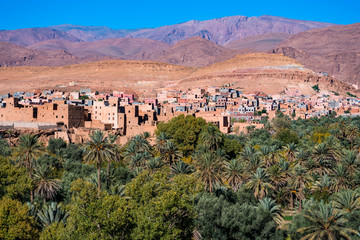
<point x="293" y="179"/>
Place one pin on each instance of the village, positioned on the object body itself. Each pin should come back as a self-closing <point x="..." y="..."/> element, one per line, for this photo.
<point x="74" y="114"/>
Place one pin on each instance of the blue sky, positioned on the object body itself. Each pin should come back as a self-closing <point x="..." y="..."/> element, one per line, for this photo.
<point x="145" y="14"/>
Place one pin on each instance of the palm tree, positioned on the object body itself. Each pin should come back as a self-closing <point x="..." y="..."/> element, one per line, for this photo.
<point x="27" y="151"/>
<point x="352" y="133"/>
<point x="52" y="213"/>
<point x="324" y="185"/>
<point x="171" y="152"/>
<point x="154" y="163"/>
<point x="259" y="183"/>
<point x="130" y="151"/>
<point x="233" y="173"/>
<point x="273" y="154"/>
<point x="265" y="155"/>
<point x="276" y="176"/>
<point x="141" y="143"/>
<point x="4" y="148"/>
<point x="146" y="135"/>
<point x="211" y="136"/>
<point x="340" y="176"/>
<point x="302" y="156"/>
<point x="247" y="153"/>
<point x="351" y="161"/>
<point x="118" y="190"/>
<point x="116" y="149"/>
<point x="93" y="179"/>
<point x="161" y="141"/>
<point x="97" y="151"/>
<point x="180" y="167"/>
<point x="290" y="151"/>
<point x="346" y="201"/>
<point x="299" y="181"/>
<point x="137" y="160"/>
<point x="268" y="205"/>
<point x="325" y="223"/>
<point x="287" y="172"/>
<point x="254" y="163"/>
<point x="209" y="170"/>
<point x="324" y="156"/>
<point x="46" y="183"/>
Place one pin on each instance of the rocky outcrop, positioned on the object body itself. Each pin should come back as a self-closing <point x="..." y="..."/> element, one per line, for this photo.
<point x="227" y="29"/>
<point x="335" y="50"/>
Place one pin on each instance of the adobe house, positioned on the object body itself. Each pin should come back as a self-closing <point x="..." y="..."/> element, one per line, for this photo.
<point x="56" y="113"/>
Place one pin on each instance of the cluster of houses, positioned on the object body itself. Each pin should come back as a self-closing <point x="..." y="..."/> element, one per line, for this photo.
<point x="128" y="115"/>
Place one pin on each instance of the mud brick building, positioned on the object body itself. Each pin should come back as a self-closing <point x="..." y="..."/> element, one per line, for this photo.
<point x="55" y="113"/>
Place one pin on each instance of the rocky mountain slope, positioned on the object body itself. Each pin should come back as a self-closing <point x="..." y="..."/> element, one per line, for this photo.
<point x="28" y="36"/>
<point x="335" y="50"/>
<point x="227" y="29"/>
<point x="13" y="55"/>
<point x="93" y="33"/>
<point x="193" y="52"/>
<point x="125" y="48"/>
<point x="219" y="30"/>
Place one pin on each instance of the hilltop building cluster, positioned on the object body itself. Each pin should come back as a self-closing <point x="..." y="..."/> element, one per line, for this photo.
<point x="76" y="113"/>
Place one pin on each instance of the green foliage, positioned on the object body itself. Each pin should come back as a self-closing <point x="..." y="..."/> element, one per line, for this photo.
<point x="350" y="94"/>
<point x="96" y="216"/>
<point x="287" y="136"/>
<point x="83" y="97"/>
<point x="194" y="181"/>
<point x="54" y="231"/>
<point x="185" y="132"/>
<point x="316" y="88"/>
<point x="52" y="213"/>
<point x="14" y="181"/>
<point x="226" y="217"/>
<point x="232" y="146"/>
<point x="15" y="223"/>
<point x="321" y="221"/>
<point x="4" y="148"/>
<point x="162" y="209"/>
<point x="56" y="144"/>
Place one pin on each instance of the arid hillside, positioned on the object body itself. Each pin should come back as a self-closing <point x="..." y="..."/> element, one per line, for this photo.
<point x="270" y="73"/>
<point x="125" y="48"/>
<point x="195" y="52"/>
<point x="104" y="75"/>
<point x="14" y="55"/>
<point x="259" y="43"/>
<point x="335" y="50"/>
<point x="262" y="72"/>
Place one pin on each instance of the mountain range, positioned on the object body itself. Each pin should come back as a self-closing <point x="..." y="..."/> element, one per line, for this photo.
<point x="321" y="47"/>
